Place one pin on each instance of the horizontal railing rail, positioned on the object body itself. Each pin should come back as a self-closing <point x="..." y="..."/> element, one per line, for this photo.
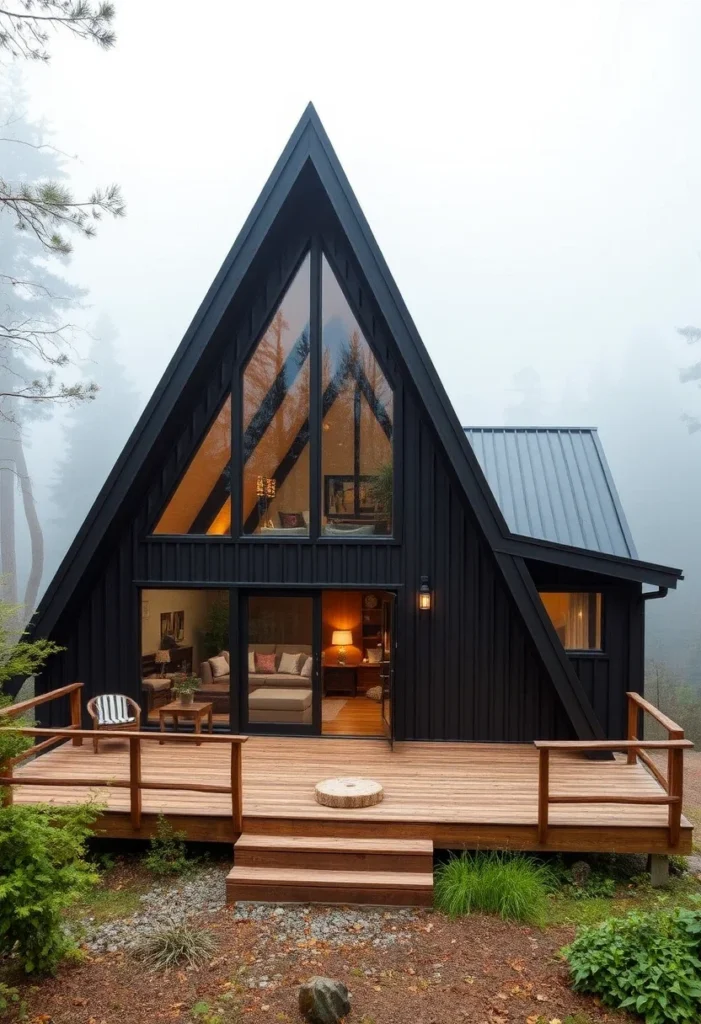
<point x="135" y="783"/>
<point x="635" y="748"/>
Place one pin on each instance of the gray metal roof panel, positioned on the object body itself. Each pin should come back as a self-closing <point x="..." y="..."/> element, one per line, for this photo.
<point x="553" y="483"/>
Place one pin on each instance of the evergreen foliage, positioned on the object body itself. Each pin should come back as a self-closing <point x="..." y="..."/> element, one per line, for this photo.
<point x="167" y="854"/>
<point x="216" y="633"/>
<point x="43" y="870"/>
<point x="25" y="25"/>
<point x="644" y="963"/>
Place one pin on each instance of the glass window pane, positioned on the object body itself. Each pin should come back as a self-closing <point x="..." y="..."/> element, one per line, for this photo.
<point x="202" y="500"/>
<point x="576" y="618"/>
<point x="185" y="633"/>
<point x="357" y="424"/>
<point x="276" y="421"/>
<point x="279" y="644"/>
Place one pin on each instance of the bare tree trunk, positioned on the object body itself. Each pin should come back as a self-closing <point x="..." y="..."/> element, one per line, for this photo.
<point x="36" y="536"/>
<point x="8" y="550"/>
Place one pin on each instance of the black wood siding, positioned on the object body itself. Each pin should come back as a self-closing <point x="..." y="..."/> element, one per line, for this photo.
<point x="466" y="670"/>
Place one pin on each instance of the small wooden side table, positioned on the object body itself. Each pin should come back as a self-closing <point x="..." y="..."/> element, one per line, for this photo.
<point x="197" y="709"/>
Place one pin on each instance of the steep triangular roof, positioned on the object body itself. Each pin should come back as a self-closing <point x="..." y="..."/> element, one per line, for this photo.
<point x="310" y="144"/>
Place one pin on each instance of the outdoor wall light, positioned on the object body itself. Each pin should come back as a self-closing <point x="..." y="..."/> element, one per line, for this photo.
<point x="424" y="595"/>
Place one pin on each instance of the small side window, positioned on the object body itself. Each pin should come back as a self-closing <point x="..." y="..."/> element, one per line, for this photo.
<point x="576" y="618"/>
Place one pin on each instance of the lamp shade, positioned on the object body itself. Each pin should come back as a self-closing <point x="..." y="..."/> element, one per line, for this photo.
<point x="341" y="637"/>
<point x="162" y="657"/>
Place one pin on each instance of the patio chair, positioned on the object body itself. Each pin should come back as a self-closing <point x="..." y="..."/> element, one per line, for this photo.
<point x="112" y="711"/>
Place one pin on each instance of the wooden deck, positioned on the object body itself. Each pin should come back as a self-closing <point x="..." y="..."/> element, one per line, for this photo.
<point x="456" y="795"/>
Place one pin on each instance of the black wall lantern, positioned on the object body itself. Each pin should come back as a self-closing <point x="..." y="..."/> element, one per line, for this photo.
<point x="424" y="595"/>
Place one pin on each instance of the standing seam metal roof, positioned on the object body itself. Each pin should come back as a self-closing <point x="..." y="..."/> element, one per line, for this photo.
<point x="553" y="483"/>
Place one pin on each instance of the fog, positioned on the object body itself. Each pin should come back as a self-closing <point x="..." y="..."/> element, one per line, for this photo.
<point x="530" y="171"/>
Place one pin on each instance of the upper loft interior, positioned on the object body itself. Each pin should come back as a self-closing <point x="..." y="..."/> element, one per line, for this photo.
<point x="345" y="419"/>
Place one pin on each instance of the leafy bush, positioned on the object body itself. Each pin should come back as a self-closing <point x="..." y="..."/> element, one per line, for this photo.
<point x="512" y="886"/>
<point x="175" y="945"/>
<point x="42" y="871"/>
<point x="167" y="854"/>
<point x="645" y="963"/>
<point x="11" y="1002"/>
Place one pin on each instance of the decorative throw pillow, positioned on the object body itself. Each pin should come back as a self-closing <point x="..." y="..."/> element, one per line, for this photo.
<point x="291" y="520"/>
<point x="224" y="654"/>
<point x="219" y="666"/>
<point x="265" y="663"/>
<point x="290" y="663"/>
<point x="251" y="662"/>
<point x="374" y="693"/>
<point x="306" y="672"/>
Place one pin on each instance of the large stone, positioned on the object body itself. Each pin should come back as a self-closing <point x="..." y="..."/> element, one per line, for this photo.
<point x="323" y="1001"/>
<point x="581" y="872"/>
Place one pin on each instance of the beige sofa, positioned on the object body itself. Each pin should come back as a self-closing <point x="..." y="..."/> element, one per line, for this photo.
<point x="284" y="680"/>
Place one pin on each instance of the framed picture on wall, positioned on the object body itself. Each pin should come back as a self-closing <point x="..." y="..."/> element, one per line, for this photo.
<point x="339" y="496"/>
<point x="179" y="625"/>
<point x="166" y="624"/>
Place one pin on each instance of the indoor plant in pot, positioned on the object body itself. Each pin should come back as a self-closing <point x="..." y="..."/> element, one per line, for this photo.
<point x="184" y="688"/>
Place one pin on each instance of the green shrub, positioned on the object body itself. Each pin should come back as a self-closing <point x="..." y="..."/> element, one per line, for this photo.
<point x="175" y="945"/>
<point x="167" y="854"/>
<point x="11" y="1003"/>
<point x="645" y="963"/>
<point x="42" y="871"/>
<point x="512" y="886"/>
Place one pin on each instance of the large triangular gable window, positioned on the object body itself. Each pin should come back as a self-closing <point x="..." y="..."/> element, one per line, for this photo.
<point x="343" y="428"/>
<point x="201" y="503"/>
<point x="357" y="419"/>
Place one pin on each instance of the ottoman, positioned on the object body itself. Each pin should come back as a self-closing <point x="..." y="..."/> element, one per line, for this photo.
<point x="278" y="704"/>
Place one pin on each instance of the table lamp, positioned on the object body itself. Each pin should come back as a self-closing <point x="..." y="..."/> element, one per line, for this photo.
<point x="340" y="638"/>
<point x="162" y="658"/>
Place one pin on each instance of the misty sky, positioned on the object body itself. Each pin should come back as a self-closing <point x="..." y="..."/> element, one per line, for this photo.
<point x="531" y="173"/>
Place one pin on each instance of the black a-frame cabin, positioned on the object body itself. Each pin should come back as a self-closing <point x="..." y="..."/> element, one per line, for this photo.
<point x="300" y="521"/>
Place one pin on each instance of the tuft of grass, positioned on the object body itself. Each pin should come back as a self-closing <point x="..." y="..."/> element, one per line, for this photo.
<point x="510" y="885"/>
<point x="176" y="945"/>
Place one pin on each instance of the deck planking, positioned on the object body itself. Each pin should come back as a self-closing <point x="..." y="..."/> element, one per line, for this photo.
<point x="452" y="793"/>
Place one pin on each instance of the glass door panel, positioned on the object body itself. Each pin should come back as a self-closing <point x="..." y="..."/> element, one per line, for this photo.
<point x="279" y="669"/>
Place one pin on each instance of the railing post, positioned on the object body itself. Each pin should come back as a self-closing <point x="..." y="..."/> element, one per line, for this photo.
<point x="135" y="781"/>
<point x="236" y="787"/>
<point x="676" y="789"/>
<point x="633" y="718"/>
<point x="76" y="714"/>
<point x="543" y="793"/>
<point x="5" y="790"/>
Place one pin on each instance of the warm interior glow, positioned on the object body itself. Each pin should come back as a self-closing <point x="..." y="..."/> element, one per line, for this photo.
<point x="341" y="637"/>
<point x="576" y="618"/>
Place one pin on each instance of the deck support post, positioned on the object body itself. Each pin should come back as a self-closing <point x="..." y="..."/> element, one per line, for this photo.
<point x="659" y="869"/>
<point x="543" y="794"/>
<point x="135" y="782"/>
<point x="236" y="787"/>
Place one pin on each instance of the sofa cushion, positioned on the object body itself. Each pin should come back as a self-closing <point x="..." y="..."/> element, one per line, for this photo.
<point x="219" y="666"/>
<point x="280" y="699"/>
<point x="251" y="662"/>
<point x="307" y="667"/>
<point x="291" y="662"/>
<point x="265" y="663"/>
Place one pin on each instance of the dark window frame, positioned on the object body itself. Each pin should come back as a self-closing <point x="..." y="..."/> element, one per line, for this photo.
<point x="580" y="652"/>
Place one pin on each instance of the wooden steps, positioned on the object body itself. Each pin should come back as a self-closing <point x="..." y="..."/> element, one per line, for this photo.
<point x="327" y="869"/>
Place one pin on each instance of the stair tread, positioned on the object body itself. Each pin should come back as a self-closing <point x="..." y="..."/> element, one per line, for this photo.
<point x="315" y="877"/>
<point x="334" y="844"/>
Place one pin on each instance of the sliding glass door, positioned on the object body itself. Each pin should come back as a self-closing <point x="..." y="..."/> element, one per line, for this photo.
<point x="280" y="674"/>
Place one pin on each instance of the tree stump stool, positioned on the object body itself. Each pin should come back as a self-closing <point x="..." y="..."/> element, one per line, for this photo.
<point x="348" y="792"/>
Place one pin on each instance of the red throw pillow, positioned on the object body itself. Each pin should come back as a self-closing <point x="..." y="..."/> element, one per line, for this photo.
<point x="291" y="520"/>
<point x="265" y="662"/>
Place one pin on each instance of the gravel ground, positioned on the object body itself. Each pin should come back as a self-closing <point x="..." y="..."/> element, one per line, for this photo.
<point x="203" y="893"/>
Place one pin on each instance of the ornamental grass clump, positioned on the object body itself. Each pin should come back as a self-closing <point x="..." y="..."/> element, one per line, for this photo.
<point x="644" y="963"/>
<point x="512" y="886"/>
<point x="175" y="945"/>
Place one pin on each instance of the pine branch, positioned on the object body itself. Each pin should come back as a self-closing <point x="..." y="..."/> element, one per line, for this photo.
<point x="45" y="209"/>
<point x="24" y="31"/>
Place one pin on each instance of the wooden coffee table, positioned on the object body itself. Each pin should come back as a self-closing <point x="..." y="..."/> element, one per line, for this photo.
<point x="196" y="710"/>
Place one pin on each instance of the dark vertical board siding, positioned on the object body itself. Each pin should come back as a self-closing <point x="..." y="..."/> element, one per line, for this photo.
<point x="466" y="670"/>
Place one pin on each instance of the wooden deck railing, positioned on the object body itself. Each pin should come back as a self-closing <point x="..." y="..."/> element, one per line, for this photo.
<point x="135" y="783"/>
<point x="672" y="783"/>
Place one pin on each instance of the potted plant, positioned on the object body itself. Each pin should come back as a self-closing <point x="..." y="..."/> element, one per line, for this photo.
<point x="184" y="688"/>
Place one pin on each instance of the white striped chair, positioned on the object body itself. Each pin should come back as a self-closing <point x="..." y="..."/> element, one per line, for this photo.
<point x="113" y="711"/>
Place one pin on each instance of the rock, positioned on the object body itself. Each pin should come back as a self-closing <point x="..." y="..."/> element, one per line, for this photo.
<point x="580" y="872"/>
<point x="323" y="1001"/>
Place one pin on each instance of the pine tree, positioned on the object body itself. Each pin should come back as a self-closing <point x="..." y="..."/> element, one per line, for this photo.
<point x="95" y="434"/>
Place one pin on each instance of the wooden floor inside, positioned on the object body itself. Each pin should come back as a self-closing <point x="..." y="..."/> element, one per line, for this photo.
<point x="341" y="716"/>
<point x="471" y="795"/>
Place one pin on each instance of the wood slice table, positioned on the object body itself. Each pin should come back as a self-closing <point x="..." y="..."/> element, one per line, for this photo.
<point x="350" y="791"/>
